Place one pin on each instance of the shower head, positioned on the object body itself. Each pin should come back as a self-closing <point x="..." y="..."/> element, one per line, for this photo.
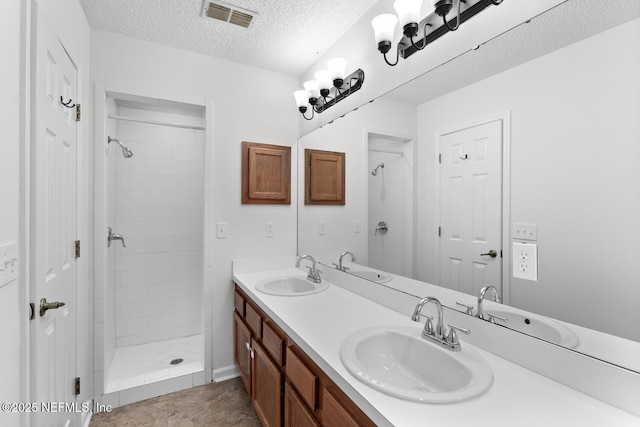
<point x="375" y="171"/>
<point x="125" y="151"/>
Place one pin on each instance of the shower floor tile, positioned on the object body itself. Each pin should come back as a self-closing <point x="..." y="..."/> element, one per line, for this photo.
<point x="138" y="365"/>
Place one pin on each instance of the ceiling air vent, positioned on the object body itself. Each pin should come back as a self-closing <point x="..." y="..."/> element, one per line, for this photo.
<point x="228" y="13"/>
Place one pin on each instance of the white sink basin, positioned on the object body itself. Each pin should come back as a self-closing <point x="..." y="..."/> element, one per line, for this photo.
<point x="399" y="362"/>
<point x="290" y="286"/>
<point x="545" y="329"/>
<point x="374" y="276"/>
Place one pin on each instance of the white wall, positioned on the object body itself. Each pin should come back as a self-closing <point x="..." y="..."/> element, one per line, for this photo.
<point x="574" y="158"/>
<point x="358" y="47"/>
<point x="348" y="135"/>
<point x="10" y="20"/>
<point x="249" y="104"/>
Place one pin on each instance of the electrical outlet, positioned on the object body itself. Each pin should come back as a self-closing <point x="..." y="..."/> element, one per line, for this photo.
<point x="222" y="230"/>
<point x="8" y="263"/>
<point x="525" y="261"/>
<point x="322" y="228"/>
<point x="268" y="229"/>
<point x="357" y="226"/>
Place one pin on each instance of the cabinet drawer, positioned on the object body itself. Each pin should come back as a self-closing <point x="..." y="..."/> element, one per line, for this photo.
<point x="253" y="320"/>
<point x="302" y="378"/>
<point x="273" y="341"/>
<point x="239" y="303"/>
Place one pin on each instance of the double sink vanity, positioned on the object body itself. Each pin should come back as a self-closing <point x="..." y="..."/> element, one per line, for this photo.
<point x="325" y="348"/>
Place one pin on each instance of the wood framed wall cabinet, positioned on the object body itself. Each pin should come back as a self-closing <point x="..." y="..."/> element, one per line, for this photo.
<point x="266" y="174"/>
<point x="324" y="178"/>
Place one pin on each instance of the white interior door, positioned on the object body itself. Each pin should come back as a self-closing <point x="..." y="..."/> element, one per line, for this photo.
<point x="471" y="208"/>
<point x="53" y="224"/>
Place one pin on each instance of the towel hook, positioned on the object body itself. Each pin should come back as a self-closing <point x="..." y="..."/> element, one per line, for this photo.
<point x="68" y="103"/>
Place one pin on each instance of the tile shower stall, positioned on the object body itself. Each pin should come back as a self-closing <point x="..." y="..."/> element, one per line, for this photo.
<point x="150" y="198"/>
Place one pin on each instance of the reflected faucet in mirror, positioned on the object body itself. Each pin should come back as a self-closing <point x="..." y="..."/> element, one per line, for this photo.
<point x="339" y="265"/>
<point x="480" y="313"/>
<point x="314" y="272"/>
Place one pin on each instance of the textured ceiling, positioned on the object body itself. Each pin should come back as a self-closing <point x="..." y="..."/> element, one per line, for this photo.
<point x="567" y="23"/>
<point x="285" y="35"/>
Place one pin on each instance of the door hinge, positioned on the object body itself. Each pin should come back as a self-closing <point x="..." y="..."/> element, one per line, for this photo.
<point x="76" y="386"/>
<point x="78" y="112"/>
<point x="439" y="157"/>
<point x="77" y="249"/>
<point x="440" y="231"/>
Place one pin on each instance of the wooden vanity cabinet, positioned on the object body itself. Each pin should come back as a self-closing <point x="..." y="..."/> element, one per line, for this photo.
<point x="286" y="387"/>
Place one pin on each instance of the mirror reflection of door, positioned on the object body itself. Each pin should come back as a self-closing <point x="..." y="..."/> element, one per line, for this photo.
<point x="390" y="201"/>
<point x="471" y="208"/>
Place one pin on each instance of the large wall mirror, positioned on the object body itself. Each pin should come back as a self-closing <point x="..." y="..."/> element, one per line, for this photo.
<point x="561" y="94"/>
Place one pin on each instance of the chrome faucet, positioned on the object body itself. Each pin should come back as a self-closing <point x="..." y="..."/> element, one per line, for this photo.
<point x="339" y="265"/>
<point x="314" y="273"/>
<point x="481" y="296"/>
<point x="447" y="339"/>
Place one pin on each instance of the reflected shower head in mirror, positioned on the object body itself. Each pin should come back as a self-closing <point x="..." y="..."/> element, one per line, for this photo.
<point x="125" y="151"/>
<point x="375" y="171"/>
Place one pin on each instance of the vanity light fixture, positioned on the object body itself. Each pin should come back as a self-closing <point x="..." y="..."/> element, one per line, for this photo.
<point x="434" y="25"/>
<point x="329" y="87"/>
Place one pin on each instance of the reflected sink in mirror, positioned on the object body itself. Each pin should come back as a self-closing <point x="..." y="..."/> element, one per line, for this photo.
<point x="399" y="362"/>
<point x="290" y="286"/>
<point x="546" y="329"/>
<point x="373" y="275"/>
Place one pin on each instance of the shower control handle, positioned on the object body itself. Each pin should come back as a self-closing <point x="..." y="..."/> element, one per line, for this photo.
<point x="382" y="227"/>
<point x="114" y="236"/>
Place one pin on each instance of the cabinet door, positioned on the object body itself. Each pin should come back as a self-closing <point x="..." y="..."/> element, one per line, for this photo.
<point x="266" y="381"/>
<point x="242" y="350"/>
<point x="334" y="413"/>
<point x="295" y="413"/>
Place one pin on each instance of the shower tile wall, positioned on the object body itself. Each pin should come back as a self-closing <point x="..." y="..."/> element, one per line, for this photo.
<point x="159" y="210"/>
<point x="386" y="204"/>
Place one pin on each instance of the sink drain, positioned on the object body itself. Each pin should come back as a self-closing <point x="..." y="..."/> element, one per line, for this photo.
<point x="176" y="361"/>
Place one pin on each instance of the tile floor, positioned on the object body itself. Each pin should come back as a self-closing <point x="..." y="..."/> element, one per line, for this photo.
<point x="224" y="404"/>
<point x="138" y="365"/>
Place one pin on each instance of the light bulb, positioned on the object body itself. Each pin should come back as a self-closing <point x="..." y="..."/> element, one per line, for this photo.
<point x="383" y="27"/>
<point x="408" y="11"/>
<point x="301" y="98"/>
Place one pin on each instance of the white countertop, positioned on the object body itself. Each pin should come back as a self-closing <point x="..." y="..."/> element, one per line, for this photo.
<point x="320" y="322"/>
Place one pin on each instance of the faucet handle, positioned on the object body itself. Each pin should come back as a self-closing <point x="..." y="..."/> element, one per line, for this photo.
<point x="468" y="308"/>
<point x="492" y="317"/>
<point x="452" y="337"/>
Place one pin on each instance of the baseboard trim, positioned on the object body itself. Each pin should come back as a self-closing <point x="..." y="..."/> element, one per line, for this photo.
<point x="225" y="373"/>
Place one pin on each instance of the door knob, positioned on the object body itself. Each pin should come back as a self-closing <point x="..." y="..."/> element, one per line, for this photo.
<point x="492" y="253"/>
<point x="44" y="306"/>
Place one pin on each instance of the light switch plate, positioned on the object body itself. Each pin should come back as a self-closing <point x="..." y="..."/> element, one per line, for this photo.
<point x="8" y="263"/>
<point x="523" y="231"/>
<point x="525" y="261"/>
<point x="322" y="228"/>
<point x="222" y="230"/>
<point x="357" y="226"/>
<point x="268" y="229"/>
